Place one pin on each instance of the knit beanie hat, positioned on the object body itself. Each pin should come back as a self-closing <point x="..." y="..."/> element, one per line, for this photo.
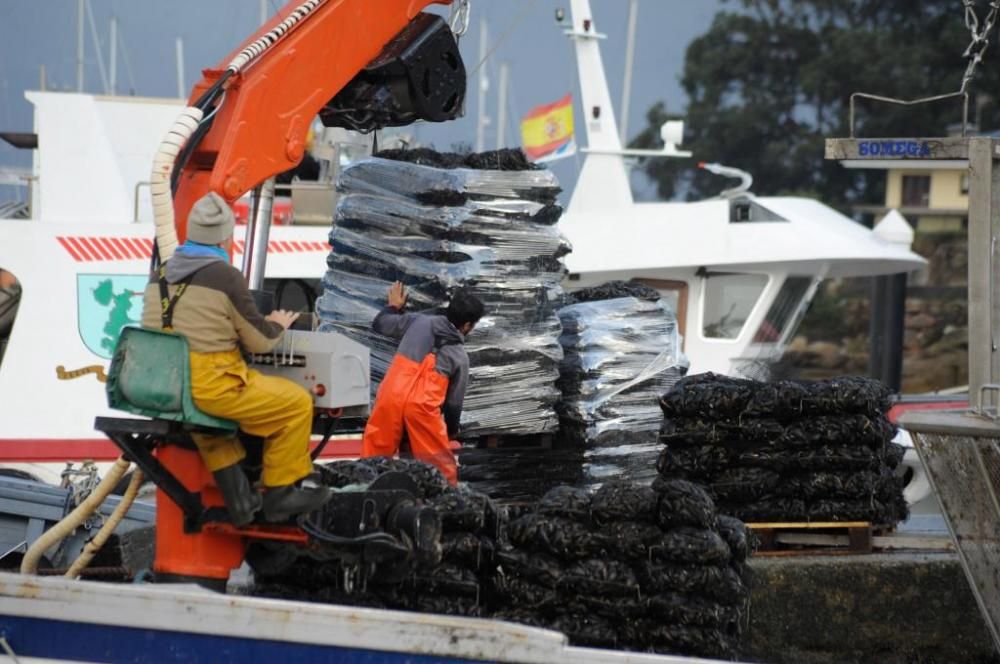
<point x="211" y="220"/>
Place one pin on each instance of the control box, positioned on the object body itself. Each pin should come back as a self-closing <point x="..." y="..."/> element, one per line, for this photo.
<point x="334" y="369"/>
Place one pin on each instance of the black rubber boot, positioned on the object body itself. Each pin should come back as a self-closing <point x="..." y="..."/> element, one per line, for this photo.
<point x="283" y="502"/>
<point x="242" y="501"/>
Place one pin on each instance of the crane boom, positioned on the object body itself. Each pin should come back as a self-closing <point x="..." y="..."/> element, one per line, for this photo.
<point x="259" y="127"/>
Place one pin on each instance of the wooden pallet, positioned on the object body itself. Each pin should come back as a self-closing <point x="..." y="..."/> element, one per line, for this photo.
<point x="841" y="538"/>
<point x="816" y="537"/>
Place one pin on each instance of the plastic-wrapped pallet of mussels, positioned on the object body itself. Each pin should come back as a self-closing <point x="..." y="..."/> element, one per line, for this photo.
<point x="621" y="351"/>
<point x="435" y="222"/>
<point x="786" y="450"/>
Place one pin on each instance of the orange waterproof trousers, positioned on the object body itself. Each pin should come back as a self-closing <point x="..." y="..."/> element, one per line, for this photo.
<point x="411" y="396"/>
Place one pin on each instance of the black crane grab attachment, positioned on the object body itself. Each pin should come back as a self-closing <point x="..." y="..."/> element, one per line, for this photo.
<point x="419" y="75"/>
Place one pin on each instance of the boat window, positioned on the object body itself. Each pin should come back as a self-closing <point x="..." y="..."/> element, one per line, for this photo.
<point x="783" y="311"/>
<point x="729" y="299"/>
<point x="10" y="297"/>
<point x="745" y="210"/>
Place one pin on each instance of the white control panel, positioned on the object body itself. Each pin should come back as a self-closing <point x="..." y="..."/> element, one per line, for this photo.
<point x="333" y="368"/>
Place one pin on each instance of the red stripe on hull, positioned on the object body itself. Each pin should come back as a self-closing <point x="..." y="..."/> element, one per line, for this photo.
<point x="68" y="247"/>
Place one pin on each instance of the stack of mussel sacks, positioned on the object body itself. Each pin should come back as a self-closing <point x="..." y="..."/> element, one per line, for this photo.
<point x="786" y="450"/>
<point x="628" y="567"/>
<point x="438" y="222"/>
<point x="448" y="582"/>
<point x="621" y="351"/>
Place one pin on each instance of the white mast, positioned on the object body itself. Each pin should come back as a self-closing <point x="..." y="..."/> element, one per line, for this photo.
<point x="633" y="15"/>
<point x="502" y="105"/>
<point x="603" y="181"/>
<point x="97" y="47"/>
<point x="180" y="69"/>
<point x="113" y="55"/>
<point x="79" y="45"/>
<point x="484" y="85"/>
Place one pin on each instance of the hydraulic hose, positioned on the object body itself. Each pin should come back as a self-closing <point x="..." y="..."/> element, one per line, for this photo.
<point x="258" y="46"/>
<point x="95" y="544"/>
<point x="58" y="532"/>
<point x="163" y="166"/>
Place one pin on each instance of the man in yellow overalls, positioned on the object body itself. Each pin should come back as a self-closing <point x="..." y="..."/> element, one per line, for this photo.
<point x="207" y="301"/>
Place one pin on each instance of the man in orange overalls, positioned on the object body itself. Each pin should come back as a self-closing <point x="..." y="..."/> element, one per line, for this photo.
<point x="423" y="389"/>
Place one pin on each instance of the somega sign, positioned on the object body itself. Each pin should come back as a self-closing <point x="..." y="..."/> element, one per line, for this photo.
<point x="894" y="148"/>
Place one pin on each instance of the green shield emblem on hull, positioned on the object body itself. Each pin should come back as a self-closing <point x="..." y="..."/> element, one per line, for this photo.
<point x="105" y="303"/>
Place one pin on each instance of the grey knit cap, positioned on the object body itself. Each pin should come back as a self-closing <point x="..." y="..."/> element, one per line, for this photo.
<point x="211" y="220"/>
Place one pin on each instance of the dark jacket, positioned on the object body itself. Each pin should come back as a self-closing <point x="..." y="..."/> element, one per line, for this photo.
<point x="420" y="334"/>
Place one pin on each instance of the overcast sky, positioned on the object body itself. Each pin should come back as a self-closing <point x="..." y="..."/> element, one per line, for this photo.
<point x="522" y="33"/>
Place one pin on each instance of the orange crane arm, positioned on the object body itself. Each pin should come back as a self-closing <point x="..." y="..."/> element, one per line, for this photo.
<point x="260" y="129"/>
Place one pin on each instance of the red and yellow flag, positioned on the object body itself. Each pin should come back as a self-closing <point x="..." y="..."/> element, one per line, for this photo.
<point x="547" y="131"/>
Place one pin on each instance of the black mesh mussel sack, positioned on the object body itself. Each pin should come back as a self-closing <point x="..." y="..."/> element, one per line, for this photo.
<point x="682" y="503"/>
<point x="600" y="577"/>
<point x="623" y="501"/>
<point x="698" y="546"/>
<point x="568" y="502"/>
<point x="743" y="484"/>
<point x="564" y="538"/>
<point x="462" y="509"/>
<point x="719" y="582"/>
<point x="738" y="537"/>
<point x="631" y="539"/>
<point x="708" y="395"/>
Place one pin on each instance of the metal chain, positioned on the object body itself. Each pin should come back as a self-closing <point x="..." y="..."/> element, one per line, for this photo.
<point x="980" y="36"/>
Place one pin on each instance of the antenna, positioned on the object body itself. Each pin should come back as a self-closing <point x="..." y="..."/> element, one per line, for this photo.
<point x="502" y="105"/>
<point x="79" y="45"/>
<point x="633" y="15"/>
<point x="97" y="47"/>
<point x="113" y="54"/>
<point x="180" y="68"/>
<point x="484" y="86"/>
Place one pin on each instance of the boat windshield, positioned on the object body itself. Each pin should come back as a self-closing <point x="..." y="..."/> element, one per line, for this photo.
<point x="10" y="297"/>
<point x="729" y="300"/>
<point x="785" y="312"/>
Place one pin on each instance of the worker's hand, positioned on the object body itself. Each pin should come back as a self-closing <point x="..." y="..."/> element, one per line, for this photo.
<point x="397" y="296"/>
<point x="283" y="318"/>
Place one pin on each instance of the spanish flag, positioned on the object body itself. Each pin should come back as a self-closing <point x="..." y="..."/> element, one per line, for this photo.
<point x="547" y="131"/>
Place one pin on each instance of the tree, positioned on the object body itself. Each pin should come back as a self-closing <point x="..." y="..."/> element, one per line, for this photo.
<point x="771" y="79"/>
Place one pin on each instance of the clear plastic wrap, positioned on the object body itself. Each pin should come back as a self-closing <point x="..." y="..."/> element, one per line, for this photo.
<point x="437" y="229"/>
<point x="620" y="354"/>
<point x="447" y="186"/>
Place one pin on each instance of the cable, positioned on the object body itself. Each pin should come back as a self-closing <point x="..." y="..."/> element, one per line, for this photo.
<point x="506" y="33"/>
<point x="326" y="439"/>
